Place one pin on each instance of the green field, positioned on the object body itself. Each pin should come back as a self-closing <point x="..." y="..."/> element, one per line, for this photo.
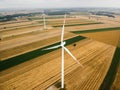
<point x="33" y="54"/>
<point x="96" y="30"/>
<point x="106" y="85"/>
<point x="78" y="24"/>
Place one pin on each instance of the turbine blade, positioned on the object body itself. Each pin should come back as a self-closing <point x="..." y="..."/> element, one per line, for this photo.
<point x="54" y="47"/>
<point x="72" y="56"/>
<point x="63" y="28"/>
<point x="62" y="34"/>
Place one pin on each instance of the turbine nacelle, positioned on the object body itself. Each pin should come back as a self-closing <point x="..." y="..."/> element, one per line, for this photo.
<point x="63" y="44"/>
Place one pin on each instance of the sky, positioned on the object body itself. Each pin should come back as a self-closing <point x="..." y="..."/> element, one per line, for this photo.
<point x="5" y="4"/>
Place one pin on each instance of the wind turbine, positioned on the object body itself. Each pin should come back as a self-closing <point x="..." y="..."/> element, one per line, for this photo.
<point x="62" y="45"/>
<point x="44" y="21"/>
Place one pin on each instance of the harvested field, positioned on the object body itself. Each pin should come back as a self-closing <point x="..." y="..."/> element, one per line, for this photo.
<point x="11" y="22"/>
<point x="68" y="21"/>
<point x="33" y="26"/>
<point x="35" y="74"/>
<point x="20" y="32"/>
<point x="33" y="54"/>
<point x="16" y="32"/>
<point x="13" y="47"/>
<point x="90" y="27"/>
<point x="25" y="66"/>
<point x="48" y="17"/>
<point x="28" y="39"/>
<point x="109" y="37"/>
<point x="15" y="25"/>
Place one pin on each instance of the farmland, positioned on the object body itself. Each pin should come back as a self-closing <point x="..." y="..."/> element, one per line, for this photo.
<point x="69" y="64"/>
<point x="25" y="65"/>
<point x="103" y="35"/>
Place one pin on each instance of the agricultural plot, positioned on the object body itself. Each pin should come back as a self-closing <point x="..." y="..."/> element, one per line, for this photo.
<point x="48" y="17"/>
<point x="71" y="22"/>
<point x="21" y="27"/>
<point x="13" y="44"/>
<point x="109" y="37"/>
<point x="28" y="39"/>
<point x="33" y="54"/>
<point x="96" y="30"/>
<point x="20" y="31"/>
<point x="95" y="56"/>
<point x="68" y="25"/>
<point x="113" y="73"/>
<point x="90" y="27"/>
<point x="25" y="66"/>
<point x="24" y="28"/>
<point x="13" y="22"/>
<point x="116" y="83"/>
<point x="119" y="43"/>
<point x="15" y="25"/>
<point x="68" y="20"/>
<point x="106" y="35"/>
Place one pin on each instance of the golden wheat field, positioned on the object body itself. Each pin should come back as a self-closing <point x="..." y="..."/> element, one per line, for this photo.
<point x="95" y="52"/>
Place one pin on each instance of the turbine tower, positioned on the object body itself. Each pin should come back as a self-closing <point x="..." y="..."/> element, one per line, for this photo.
<point x="44" y="21"/>
<point x="62" y="45"/>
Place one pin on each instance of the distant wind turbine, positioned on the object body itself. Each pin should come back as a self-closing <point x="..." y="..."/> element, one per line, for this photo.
<point x="62" y="45"/>
<point x="44" y="21"/>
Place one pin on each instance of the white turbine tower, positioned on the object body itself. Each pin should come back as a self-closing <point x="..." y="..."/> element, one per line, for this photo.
<point x="44" y="21"/>
<point x="62" y="45"/>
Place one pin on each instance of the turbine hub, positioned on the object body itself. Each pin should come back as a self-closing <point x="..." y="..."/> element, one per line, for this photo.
<point x="63" y="43"/>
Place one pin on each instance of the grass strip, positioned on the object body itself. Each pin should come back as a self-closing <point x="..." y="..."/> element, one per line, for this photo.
<point x="78" y="24"/>
<point x="33" y="54"/>
<point x="109" y="78"/>
<point x="96" y="30"/>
